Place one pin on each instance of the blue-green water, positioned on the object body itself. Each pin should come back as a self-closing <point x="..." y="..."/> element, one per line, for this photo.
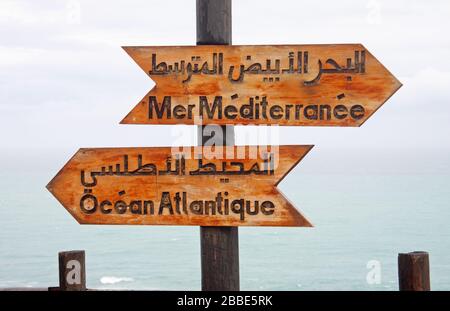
<point x="358" y="218"/>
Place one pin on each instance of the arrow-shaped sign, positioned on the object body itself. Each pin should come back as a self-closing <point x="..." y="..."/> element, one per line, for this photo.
<point x="229" y="186"/>
<point x="308" y="85"/>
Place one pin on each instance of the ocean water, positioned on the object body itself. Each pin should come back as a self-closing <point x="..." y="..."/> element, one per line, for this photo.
<point x="359" y="218"/>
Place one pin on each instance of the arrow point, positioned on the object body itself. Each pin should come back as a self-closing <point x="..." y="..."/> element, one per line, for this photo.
<point x="49" y="186"/>
<point x="126" y="49"/>
<point x="307" y="224"/>
<point x="126" y="120"/>
<point x="79" y="221"/>
<point x="300" y="220"/>
<point x="292" y="216"/>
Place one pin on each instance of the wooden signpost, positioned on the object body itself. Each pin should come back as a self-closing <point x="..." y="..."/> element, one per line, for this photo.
<point x="307" y="85"/>
<point x="220" y="188"/>
<point x="233" y="186"/>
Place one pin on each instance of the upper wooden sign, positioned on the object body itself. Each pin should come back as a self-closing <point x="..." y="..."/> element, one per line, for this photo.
<point x="308" y="85"/>
<point x="229" y="186"/>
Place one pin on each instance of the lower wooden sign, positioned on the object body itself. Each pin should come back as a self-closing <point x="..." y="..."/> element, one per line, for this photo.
<point x="203" y="186"/>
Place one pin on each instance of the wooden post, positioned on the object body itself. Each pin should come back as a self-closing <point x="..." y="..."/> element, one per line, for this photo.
<point x="414" y="271"/>
<point x="219" y="245"/>
<point x="72" y="271"/>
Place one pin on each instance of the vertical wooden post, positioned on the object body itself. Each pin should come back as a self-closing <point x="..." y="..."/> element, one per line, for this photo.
<point x="219" y="245"/>
<point x="414" y="271"/>
<point x="72" y="271"/>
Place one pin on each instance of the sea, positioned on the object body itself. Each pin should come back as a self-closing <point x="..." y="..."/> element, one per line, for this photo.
<point x="362" y="222"/>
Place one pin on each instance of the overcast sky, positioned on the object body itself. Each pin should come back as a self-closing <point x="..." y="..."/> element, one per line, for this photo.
<point x="65" y="83"/>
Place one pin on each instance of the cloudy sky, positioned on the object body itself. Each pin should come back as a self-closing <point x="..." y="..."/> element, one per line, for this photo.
<point x="65" y="82"/>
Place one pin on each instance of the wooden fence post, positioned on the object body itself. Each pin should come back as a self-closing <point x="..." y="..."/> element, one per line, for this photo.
<point x="72" y="271"/>
<point x="414" y="271"/>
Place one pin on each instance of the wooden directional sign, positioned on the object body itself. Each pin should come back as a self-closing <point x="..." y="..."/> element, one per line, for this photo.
<point x="233" y="186"/>
<point x="308" y="85"/>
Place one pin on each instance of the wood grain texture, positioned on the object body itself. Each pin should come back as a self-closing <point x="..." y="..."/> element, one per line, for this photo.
<point x="119" y="191"/>
<point x="219" y="245"/>
<point x="414" y="271"/>
<point x="352" y="85"/>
